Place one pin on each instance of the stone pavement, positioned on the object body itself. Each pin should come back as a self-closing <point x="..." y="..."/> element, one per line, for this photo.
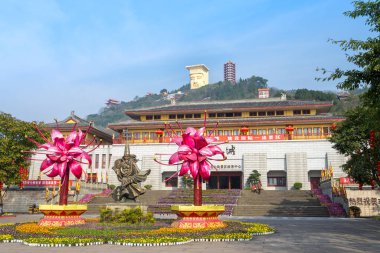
<point x="293" y="235"/>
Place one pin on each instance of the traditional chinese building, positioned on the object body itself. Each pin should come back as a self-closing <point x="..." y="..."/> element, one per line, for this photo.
<point x="285" y="140"/>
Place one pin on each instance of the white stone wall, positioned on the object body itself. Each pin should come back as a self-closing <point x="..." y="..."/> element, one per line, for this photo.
<point x="296" y="157"/>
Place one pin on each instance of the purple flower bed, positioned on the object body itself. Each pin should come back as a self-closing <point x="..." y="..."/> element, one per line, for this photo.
<point x="228" y="198"/>
<point x="335" y="209"/>
<point x="89" y="196"/>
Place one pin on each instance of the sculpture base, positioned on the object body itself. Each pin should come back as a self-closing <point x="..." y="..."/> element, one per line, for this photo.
<point x="62" y="215"/>
<point x="198" y="217"/>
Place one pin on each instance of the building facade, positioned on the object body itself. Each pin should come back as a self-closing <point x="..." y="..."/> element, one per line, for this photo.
<point x="230" y="72"/>
<point x="285" y="140"/>
<point x="198" y="75"/>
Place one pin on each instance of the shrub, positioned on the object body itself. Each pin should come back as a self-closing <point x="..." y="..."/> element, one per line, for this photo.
<point x="354" y="212"/>
<point x="148" y="186"/>
<point x="297" y="185"/>
<point x="111" y="186"/>
<point x="105" y="215"/>
<point x="129" y="216"/>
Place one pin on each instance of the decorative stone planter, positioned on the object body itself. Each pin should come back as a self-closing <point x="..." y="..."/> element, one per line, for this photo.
<point x="198" y="217"/>
<point x="62" y="215"/>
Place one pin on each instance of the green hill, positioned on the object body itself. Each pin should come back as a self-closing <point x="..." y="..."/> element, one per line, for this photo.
<point x="243" y="89"/>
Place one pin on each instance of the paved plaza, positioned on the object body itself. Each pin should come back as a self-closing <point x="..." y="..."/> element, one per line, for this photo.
<point x="293" y="235"/>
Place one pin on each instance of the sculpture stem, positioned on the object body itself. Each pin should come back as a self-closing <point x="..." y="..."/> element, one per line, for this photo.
<point x="64" y="187"/>
<point x="198" y="191"/>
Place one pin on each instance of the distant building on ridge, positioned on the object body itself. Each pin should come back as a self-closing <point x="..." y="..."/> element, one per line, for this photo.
<point x="198" y="75"/>
<point x="230" y="72"/>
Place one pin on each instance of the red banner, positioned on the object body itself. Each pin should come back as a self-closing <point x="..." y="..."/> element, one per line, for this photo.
<point x="43" y="183"/>
<point x="268" y="137"/>
<point x="346" y="180"/>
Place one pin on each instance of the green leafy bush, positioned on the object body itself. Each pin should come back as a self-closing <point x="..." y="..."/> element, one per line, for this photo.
<point x="129" y="216"/>
<point x="111" y="186"/>
<point x="297" y="185"/>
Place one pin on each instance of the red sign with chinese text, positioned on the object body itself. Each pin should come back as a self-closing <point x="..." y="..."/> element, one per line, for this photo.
<point x="346" y="180"/>
<point x="268" y="137"/>
<point x="43" y="183"/>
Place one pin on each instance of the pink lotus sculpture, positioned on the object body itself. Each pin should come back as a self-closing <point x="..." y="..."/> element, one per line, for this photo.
<point x="194" y="153"/>
<point x="64" y="155"/>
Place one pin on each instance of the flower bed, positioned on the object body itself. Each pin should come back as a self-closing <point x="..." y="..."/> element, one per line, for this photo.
<point x="228" y="198"/>
<point x="88" y="197"/>
<point x="335" y="209"/>
<point x="97" y="233"/>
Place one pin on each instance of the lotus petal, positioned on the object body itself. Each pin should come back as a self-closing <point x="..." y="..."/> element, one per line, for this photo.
<point x="75" y="168"/>
<point x="206" y="151"/>
<point x="61" y="167"/>
<point x="75" y="151"/>
<point x="194" y="167"/>
<point x="192" y="157"/>
<point x="191" y="131"/>
<point x="188" y="140"/>
<point x="216" y="150"/>
<point x="174" y="158"/>
<point x="184" y="168"/>
<point x="79" y="138"/>
<point x="46" y="164"/>
<point x="86" y="156"/>
<point x="177" y="140"/>
<point x="56" y="134"/>
<point x="200" y="132"/>
<point x="53" y="173"/>
<point x="205" y="170"/>
<point x="184" y="150"/>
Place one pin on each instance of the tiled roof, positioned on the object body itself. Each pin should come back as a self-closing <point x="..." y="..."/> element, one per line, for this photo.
<point x="251" y="121"/>
<point x="235" y="104"/>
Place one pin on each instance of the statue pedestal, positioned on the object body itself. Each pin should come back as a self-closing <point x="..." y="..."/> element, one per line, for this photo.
<point x="62" y="215"/>
<point x="118" y="207"/>
<point x="198" y="217"/>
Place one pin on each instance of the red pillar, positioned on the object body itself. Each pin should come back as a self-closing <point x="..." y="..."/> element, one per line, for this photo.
<point x="197" y="191"/>
<point x="64" y="187"/>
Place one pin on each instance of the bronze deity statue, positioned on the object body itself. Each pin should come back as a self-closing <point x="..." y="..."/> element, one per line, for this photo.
<point x="129" y="176"/>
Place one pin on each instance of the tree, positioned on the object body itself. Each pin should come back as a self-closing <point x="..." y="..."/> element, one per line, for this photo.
<point x="352" y="136"/>
<point x="13" y="142"/>
<point x="253" y="179"/>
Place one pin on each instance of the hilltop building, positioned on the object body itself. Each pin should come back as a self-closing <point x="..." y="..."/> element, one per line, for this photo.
<point x="198" y="76"/>
<point x="230" y="72"/>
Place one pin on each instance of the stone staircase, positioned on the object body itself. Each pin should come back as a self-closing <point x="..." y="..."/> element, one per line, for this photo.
<point x="148" y="198"/>
<point x="279" y="203"/>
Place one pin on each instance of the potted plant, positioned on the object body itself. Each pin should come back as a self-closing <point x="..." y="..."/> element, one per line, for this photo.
<point x="297" y="186"/>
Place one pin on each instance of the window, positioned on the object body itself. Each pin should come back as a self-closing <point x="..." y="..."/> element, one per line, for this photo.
<point x="173" y="182"/>
<point x="197" y="115"/>
<point x="253" y="131"/>
<point x="149" y="117"/>
<point x="307" y="131"/>
<point x="152" y="135"/>
<point x="305" y="111"/>
<point x="317" y="131"/>
<point x="236" y="131"/>
<point x="96" y="161"/>
<point x="298" y="131"/>
<point x="262" y="131"/>
<point x="188" y="116"/>
<point x="180" y="116"/>
<point x="270" y="113"/>
<point x="276" y="181"/>
<point x="220" y="115"/>
<point x="109" y="160"/>
<point x="253" y="114"/>
<point x="220" y="132"/>
<point x="296" y="112"/>
<point x="228" y="132"/>
<point x="262" y="114"/>
<point x="229" y="114"/>
<point x="157" y="116"/>
<point x="172" y="116"/>
<point x="237" y="114"/>
<point x="326" y="131"/>
<point x="211" y="115"/>
<point x="136" y="135"/>
<point x="103" y="161"/>
<point x="271" y="131"/>
<point x="280" y="130"/>
<point x="280" y="113"/>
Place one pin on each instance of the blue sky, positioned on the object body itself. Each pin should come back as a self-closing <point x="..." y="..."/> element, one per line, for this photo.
<point x="59" y="56"/>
